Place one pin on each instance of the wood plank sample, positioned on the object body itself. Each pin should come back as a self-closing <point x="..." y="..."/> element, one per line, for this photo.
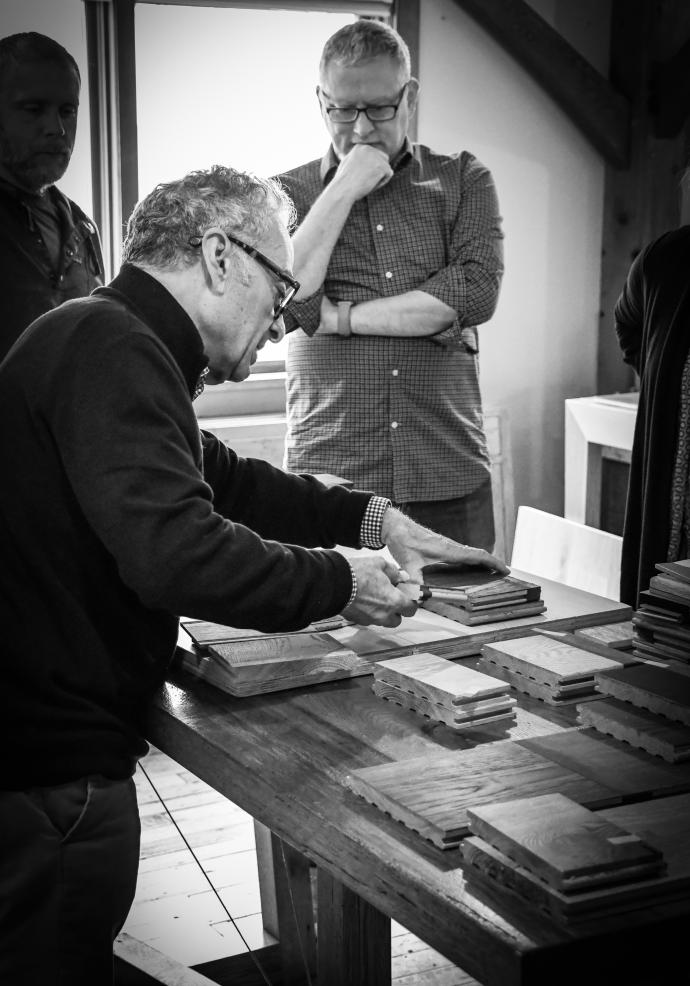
<point x="478" y="617"/>
<point x="622" y="656"/>
<point x="563" y="843"/>
<point x="431" y="794"/>
<point x="631" y="772"/>
<point x="662" y="822"/>
<point x="438" y="680"/>
<point x="546" y="660"/>
<point x="639" y="727"/>
<point x="618" y="635"/>
<point x="650" y="687"/>
<point x="460" y="717"/>
<point x="581" y="691"/>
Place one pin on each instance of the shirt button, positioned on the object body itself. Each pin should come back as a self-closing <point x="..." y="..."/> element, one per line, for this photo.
<point x="395" y="373"/>
<point x="379" y="227"/>
<point x="389" y="274"/>
<point x="394" y="424"/>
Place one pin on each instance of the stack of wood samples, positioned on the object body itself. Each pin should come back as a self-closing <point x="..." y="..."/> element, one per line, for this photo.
<point x="602" y="639"/>
<point x="432" y="794"/>
<point x="662" y="620"/>
<point x="508" y="598"/>
<point x="453" y="694"/>
<point x="646" y="706"/>
<point x="577" y="865"/>
<point x="248" y="662"/>
<point x="546" y="667"/>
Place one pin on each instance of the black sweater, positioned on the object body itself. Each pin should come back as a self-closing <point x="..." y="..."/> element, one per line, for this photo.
<point x="116" y="516"/>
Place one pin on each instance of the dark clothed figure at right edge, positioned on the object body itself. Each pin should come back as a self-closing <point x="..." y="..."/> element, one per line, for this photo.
<point x="652" y="319"/>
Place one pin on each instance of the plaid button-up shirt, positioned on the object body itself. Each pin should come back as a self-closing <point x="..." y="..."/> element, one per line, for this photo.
<point x="400" y="416"/>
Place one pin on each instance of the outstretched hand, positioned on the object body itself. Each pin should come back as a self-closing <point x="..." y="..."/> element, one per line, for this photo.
<point x="414" y="547"/>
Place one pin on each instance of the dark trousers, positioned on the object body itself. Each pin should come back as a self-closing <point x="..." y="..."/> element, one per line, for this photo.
<point x="68" y="867"/>
<point x="467" y="519"/>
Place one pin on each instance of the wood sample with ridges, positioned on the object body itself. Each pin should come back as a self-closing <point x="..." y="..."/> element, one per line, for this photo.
<point x="431" y="794"/>
<point x="661" y="822"/>
<point x="641" y="728"/>
<point x="559" y="695"/>
<point x="649" y="687"/>
<point x="435" y="687"/>
<point x="546" y="660"/>
<point x="568" y="846"/>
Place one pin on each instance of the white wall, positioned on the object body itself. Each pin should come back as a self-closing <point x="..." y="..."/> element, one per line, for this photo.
<point x="541" y="345"/>
<point x="64" y="21"/>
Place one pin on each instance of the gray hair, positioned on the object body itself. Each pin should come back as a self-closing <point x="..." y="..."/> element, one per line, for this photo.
<point x="15" y="49"/>
<point x="362" y="40"/>
<point x="162" y="224"/>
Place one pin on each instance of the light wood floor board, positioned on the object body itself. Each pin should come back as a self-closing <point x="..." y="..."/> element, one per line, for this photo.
<point x="643" y="729"/>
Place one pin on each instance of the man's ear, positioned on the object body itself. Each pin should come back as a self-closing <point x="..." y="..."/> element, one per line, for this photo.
<point x="412" y="94"/>
<point x="214" y="250"/>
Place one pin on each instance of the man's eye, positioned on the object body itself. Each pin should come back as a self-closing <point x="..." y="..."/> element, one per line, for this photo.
<point x="68" y="110"/>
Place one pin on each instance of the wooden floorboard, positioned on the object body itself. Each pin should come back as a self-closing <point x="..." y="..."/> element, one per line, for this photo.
<point x="176" y="912"/>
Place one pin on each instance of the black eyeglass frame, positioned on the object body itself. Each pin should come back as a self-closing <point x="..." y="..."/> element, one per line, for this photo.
<point x="293" y="284"/>
<point x="365" y="109"/>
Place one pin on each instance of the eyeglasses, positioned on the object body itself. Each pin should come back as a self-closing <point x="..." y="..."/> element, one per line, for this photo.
<point x="375" y="113"/>
<point x="291" y="285"/>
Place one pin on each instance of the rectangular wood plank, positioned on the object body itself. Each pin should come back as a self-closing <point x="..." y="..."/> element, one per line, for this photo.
<point x="546" y="660"/>
<point x="438" y="680"/>
<point x="431" y="794"/>
<point x="650" y="687"/>
<point x="640" y="728"/>
<point x="570" y="847"/>
<point x="550" y="695"/>
<point x="500" y="708"/>
<point x="631" y="772"/>
<point x="662" y="822"/>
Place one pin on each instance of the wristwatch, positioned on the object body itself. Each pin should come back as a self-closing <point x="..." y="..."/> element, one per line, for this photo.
<point x="344" y="327"/>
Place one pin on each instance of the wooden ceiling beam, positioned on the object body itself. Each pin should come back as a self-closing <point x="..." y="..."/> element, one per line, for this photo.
<point x="593" y="105"/>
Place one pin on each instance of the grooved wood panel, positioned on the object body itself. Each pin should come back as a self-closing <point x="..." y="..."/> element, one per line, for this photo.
<point x="662" y="823"/>
<point x="546" y="660"/>
<point x="431" y="794"/>
<point x="465" y="716"/>
<point x="438" y="680"/>
<point x="640" y="728"/>
<point x="568" y="846"/>
<point x="650" y="687"/>
<point x="582" y="691"/>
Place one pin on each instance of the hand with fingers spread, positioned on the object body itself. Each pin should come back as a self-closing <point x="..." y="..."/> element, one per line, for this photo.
<point x="414" y="547"/>
<point x="378" y="600"/>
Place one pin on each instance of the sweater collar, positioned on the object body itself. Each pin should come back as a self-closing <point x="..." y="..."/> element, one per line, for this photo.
<point x="166" y="318"/>
<point x="330" y="161"/>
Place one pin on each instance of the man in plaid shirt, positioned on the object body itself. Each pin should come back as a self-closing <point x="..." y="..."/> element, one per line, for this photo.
<point x="399" y="253"/>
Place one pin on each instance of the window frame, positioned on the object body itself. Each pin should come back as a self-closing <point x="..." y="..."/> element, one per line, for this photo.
<point x="110" y="39"/>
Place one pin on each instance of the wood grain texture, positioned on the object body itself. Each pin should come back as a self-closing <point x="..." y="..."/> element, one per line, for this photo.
<point x="565" y="844"/>
<point x="639" y="727"/>
<point x="431" y="795"/>
<point x="649" y="687"/>
<point x="551" y="695"/>
<point x="633" y="773"/>
<point x="501" y="708"/>
<point x="478" y="617"/>
<point x="617" y="635"/>
<point x="438" y="680"/>
<point x="663" y="823"/>
<point x="548" y="661"/>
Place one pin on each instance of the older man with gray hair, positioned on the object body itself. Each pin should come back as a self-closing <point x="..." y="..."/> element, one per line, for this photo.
<point x="117" y="515"/>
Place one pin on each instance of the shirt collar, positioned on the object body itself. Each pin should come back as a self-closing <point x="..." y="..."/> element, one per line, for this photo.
<point x="166" y="318"/>
<point x="330" y="161"/>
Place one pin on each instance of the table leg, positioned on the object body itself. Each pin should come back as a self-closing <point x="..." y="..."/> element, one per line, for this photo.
<point x="286" y="904"/>
<point x="353" y="938"/>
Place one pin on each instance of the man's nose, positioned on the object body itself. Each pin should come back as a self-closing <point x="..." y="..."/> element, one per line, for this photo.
<point x="277" y="330"/>
<point x="53" y="122"/>
<point x="363" y="125"/>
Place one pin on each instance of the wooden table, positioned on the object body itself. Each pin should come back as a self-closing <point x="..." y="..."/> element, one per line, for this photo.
<point x="283" y="758"/>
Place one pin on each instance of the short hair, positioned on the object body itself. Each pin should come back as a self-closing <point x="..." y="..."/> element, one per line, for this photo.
<point x="362" y="40"/>
<point x="161" y="225"/>
<point x="30" y="46"/>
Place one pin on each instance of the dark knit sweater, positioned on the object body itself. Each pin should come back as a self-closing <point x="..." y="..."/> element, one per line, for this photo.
<point x="29" y="284"/>
<point x="653" y="326"/>
<point x="116" y="517"/>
